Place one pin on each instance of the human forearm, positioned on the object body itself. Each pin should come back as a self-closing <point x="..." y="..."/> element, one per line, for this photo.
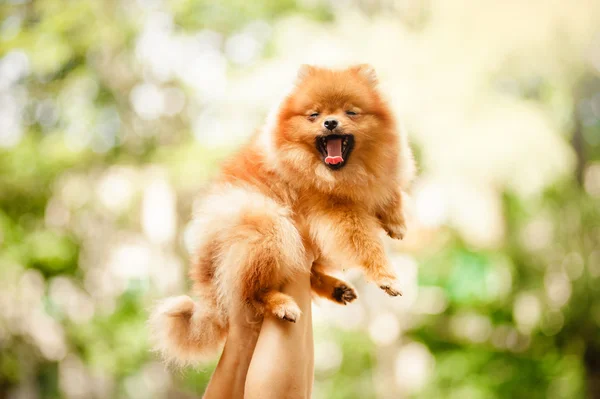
<point x="282" y="365"/>
<point x="229" y="377"/>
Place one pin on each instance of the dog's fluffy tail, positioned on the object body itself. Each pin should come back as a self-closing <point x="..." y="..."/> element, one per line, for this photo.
<point x="184" y="332"/>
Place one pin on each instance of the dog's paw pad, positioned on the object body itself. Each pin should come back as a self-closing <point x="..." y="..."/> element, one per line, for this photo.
<point x="390" y="287"/>
<point x="344" y="294"/>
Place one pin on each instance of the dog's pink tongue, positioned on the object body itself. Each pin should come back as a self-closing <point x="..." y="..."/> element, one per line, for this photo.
<point x="334" y="152"/>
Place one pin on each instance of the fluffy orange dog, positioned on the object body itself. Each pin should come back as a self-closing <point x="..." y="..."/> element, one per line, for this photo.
<point x="323" y="177"/>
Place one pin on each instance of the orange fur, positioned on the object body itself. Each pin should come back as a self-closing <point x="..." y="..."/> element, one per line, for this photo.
<point x="330" y="287"/>
<point x="277" y="200"/>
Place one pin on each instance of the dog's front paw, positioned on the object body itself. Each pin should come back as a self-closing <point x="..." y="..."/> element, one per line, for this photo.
<point x="390" y="286"/>
<point x="344" y="294"/>
<point x="395" y="230"/>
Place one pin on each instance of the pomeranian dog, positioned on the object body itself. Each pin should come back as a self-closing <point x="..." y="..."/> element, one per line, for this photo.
<point x="323" y="177"/>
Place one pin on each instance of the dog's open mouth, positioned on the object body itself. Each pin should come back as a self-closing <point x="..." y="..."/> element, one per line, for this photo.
<point x="335" y="149"/>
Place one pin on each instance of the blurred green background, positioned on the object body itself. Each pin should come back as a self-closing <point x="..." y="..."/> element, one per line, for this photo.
<point x="114" y="115"/>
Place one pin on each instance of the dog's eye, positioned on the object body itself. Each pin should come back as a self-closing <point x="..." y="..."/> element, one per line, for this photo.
<point x="313" y="115"/>
<point x="351" y="113"/>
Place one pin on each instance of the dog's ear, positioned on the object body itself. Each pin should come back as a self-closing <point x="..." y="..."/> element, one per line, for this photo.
<point x="304" y="72"/>
<point x="367" y="72"/>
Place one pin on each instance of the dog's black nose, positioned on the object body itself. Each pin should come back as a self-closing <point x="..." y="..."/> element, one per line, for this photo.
<point x="330" y="124"/>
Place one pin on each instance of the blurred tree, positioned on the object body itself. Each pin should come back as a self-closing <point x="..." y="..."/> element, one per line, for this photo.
<point x="99" y="100"/>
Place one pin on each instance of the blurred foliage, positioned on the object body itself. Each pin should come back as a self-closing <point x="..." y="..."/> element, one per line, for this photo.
<point x="228" y="16"/>
<point x="82" y="54"/>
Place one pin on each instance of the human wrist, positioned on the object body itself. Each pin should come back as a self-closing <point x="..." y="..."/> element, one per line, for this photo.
<point x="243" y="338"/>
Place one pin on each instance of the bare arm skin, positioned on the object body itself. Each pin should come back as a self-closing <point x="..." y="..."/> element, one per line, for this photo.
<point x="229" y="378"/>
<point x="283" y="362"/>
<point x="269" y="359"/>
